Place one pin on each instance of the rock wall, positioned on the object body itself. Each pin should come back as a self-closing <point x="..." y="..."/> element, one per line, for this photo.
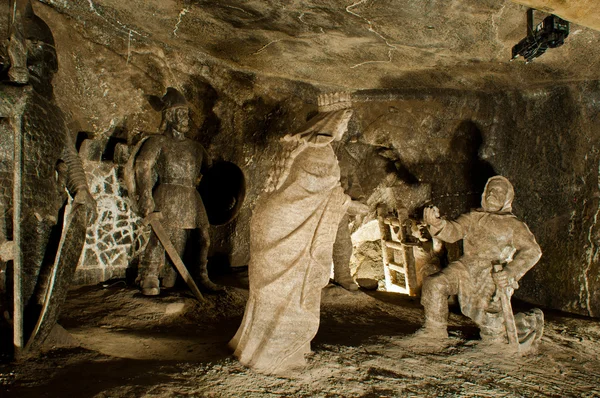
<point x="105" y="77"/>
<point x="550" y="146"/>
<point x="410" y="145"/>
<point x="544" y="140"/>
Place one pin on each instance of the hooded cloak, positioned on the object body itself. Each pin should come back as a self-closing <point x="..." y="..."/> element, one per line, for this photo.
<point x="292" y="232"/>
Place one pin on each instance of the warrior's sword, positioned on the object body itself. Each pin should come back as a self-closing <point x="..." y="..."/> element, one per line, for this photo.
<point x="17" y="46"/>
<point x="13" y="15"/>
<point x="154" y="220"/>
<point x="507" y="311"/>
<point x="17" y="254"/>
<point x="17" y="73"/>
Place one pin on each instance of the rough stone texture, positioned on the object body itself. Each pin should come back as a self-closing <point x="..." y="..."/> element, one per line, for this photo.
<point x="449" y="78"/>
<point x="360" y="44"/>
<point x="238" y="115"/>
<point x="134" y="347"/>
<point x="366" y="261"/>
<point x="545" y="140"/>
<point x="556" y="169"/>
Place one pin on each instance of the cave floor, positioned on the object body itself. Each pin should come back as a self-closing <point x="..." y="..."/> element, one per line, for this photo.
<point x="128" y="345"/>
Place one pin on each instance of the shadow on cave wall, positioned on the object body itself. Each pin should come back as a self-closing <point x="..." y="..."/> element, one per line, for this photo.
<point x="265" y="120"/>
<point x="466" y="143"/>
<point x="458" y="182"/>
<point x="440" y="79"/>
<point x="424" y="78"/>
<point x="202" y="98"/>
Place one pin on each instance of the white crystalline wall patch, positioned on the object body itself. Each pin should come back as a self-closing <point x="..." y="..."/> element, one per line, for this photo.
<point x="117" y="235"/>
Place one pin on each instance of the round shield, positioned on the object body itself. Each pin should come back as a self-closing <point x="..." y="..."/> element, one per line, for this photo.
<point x="223" y="188"/>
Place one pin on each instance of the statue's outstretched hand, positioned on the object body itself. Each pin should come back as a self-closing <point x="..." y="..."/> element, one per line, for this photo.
<point x="431" y="215"/>
<point x="357" y="208"/>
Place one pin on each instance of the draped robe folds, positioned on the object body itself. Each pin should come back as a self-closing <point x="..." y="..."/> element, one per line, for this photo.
<point x="292" y="234"/>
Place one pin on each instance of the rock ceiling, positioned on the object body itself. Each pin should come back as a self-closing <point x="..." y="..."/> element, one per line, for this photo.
<point x="352" y="44"/>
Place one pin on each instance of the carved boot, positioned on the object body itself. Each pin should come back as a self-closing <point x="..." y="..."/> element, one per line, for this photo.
<point x="150" y="285"/>
<point x="492" y="337"/>
<point x="169" y="276"/>
<point x="148" y="279"/>
<point x="346" y="282"/>
<point x="206" y="282"/>
<point x="432" y="330"/>
<point x="530" y="328"/>
<point x="342" y="251"/>
<point x="432" y="337"/>
<point x="434" y="298"/>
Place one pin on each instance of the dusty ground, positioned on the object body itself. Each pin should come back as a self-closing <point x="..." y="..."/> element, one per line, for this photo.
<point x="134" y="346"/>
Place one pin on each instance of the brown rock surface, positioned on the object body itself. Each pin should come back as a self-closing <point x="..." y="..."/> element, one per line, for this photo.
<point x="363" y="44"/>
<point x="132" y="347"/>
<point x="432" y="72"/>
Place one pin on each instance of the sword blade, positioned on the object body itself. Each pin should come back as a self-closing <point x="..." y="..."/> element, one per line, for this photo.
<point x="507" y="312"/>
<point x="18" y="327"/>
<point x="162" y="235"/>
<point x="509" y="319"/>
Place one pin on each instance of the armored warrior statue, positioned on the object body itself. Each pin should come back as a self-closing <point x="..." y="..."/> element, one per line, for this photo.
<point x="168" y="170"/>
<point x="37" y="162"/>
<point x="498" y="250"/>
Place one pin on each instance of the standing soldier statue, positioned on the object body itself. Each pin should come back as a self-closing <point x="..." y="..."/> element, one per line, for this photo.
<point x="38" y="161"/>
<point x="168" y="170"/>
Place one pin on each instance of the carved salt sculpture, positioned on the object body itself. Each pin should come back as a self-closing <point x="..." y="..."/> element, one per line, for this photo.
<point x="342" y="252"/>
<point x="168" y="169"/>
<point x="342" y="248"/>
<point x="293" y="229"/>
<point x="498" y="250"/>
<point x="37" y="162"/>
